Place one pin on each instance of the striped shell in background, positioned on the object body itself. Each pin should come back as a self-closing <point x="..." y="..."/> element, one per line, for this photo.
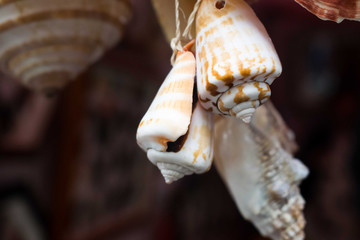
<point x="334" y="10"/>
<point x="236" y="60"/>
<point x="176" y="137"/>
<point x="261" y="175"/>
<point x="45" y="44"/>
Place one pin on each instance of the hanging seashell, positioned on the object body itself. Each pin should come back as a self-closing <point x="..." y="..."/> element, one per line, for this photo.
<point x="334" y="10"/>
<point x="176" y="146"/>
<point x="46" y="44"/>
<point x="236" y="60"/>
<point x="262" y="177"/>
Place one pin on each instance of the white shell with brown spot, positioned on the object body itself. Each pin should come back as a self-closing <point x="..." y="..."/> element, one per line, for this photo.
<point x="233" y="48"/>
<point x="168" y="120"/>
<point x="45" y="44"/>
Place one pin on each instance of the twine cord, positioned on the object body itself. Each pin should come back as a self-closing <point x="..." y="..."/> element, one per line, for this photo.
<point x="176" y="41"/>
<point x="187" y="31"/>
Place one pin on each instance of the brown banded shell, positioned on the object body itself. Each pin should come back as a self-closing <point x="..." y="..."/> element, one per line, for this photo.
<point x="45" y="43"/>
<point x="232" y="49"/>
<point x="177" y="138"/>
<point x="334" y="10"/>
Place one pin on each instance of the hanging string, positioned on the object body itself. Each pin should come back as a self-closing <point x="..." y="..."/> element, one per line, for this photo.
<point x="187" y="31"/>
<point x="176" y="41"/>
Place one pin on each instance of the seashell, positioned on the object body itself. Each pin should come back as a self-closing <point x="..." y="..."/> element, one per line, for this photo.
<point x="262" y="177"/>
<point x="334" y="10"/>
<point x="177" y="140"/>
<point x="46" y="45"/>
<point x="236" y="60"/>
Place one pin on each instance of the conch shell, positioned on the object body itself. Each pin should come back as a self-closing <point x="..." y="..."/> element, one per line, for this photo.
<point x="334" y="10"/>
<point x="261" y="175"/>
<point x="45" y="43"/>
<point x="176" y="137"/>
<point x="235" y="57"/>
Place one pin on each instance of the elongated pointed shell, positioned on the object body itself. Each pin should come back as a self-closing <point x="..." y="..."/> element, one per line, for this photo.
<point x="262" y="177"/>
<point x="169" y="115"/>
<point x="233" y="48"/>
<point x="334" y="10"/>
<point x="46" y="43"/>
<point x="176" y="146"/>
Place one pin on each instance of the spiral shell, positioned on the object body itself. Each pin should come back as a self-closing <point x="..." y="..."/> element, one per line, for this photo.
<point x="46" y="44"/>
<point x="234" y="53"/>
<point x="262" y="176"/>
<point x="176" y="137"/>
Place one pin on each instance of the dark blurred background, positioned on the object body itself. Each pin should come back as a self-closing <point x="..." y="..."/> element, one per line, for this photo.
<point x="70" y="167"/>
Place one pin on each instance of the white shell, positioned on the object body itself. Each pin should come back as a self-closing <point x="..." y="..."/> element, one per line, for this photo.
<point x="168" y="121"/>
<point x="169" y="115"/>
<point x="262" y="177"/>
<point x="232" y="48"/>
<point x="46" y="44"/>
<point x="196" y="154"/>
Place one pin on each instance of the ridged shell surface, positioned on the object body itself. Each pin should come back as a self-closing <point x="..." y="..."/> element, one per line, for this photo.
<point x="262" y="177"/>
<point x="232" y="48"/>
<point x="46" y="43"/>
<point x="334" y="10"/>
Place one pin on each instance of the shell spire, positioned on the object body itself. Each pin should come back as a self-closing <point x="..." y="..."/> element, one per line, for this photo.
<point x="236" y="60"/>
<point x="176" y="132"/>
<point x="263" y="178"/>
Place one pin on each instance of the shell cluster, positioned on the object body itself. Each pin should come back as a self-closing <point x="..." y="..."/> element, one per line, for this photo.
<point x="262" y="177"/>
<point x="236" y="60"/>
<point x="234" y="65"/>
<point x="46" y="44"/>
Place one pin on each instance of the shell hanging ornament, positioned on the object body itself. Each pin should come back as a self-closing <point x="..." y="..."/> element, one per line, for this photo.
<point x="176" y="132"/>
<point x="45" y="44"/>
<point x="236" y="60"/>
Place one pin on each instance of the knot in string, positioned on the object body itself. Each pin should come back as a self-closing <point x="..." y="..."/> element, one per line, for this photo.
<point x="176" y="41"/>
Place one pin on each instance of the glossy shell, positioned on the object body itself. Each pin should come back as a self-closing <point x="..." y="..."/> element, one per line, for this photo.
<point x="196" y="153"/>
<point x="169" y="115"/>
<point x="177" y="138"/>
<point x="46" y="44"/>
<point x="232" y="48"/>
<point x="263" y="178"/>
<point x="334" y="10"/>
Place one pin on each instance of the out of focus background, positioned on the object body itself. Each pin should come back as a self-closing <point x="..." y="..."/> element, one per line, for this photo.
<point x="70" y="167"/>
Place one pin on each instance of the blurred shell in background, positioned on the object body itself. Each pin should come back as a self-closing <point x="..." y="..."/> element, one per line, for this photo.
<point x="236" y="60"/>
<point x="261" y="174"/>
<point x="47" y="44"/>
<point x="334" y="10"/>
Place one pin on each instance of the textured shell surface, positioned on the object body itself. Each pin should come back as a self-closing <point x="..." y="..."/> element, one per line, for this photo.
<point x="233" y="48"/>
<point x="262" y="177"/>
<point x="46" y="45"/>
<point x="176" y="137"/>
<point x="334" y="10"/>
